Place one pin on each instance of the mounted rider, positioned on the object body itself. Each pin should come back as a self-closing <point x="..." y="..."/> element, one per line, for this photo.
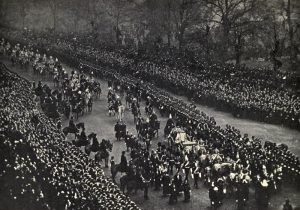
<point x="123" y="163"/>
<point x="72" y="125"/>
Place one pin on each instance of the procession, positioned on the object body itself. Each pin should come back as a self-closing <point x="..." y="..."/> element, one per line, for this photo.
<point x="87" y="123"/>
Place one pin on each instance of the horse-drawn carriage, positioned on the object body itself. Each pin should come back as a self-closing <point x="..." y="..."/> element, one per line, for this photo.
<point x="177" y="136"/>
<point x="178" y="139"/>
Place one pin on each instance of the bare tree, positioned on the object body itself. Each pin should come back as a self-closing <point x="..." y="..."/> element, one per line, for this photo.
<point x="23" y="11"/>
<point x="3" y="10"/>
<point x="231" y="15"/>
<point x="76" y="6"/>
<point x="185" y="13"/>
<point x="53" y="4"/>
<point x="167" y="20"/>
<point x="94" y="15"/>
<point x="119" y="12"/>
<point x="292" y="14"/>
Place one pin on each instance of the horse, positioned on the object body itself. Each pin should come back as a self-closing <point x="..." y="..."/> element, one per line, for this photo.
<point x="121" y="111"/>
<point x="94" y="147"/>
<point x="117" y="168"/>
<point x="75" y="130"/>
<point x="154" y="126"/>
<point x="221" y="169"/>
<point x="131" y="183"/>
<point x="77" y="109"/>
<point x="80" y="142"/>
<point x="168" y="129"/>
<point x="103" y="153"/>
<point x="132" y="143"/>
<point x="162" y="110"/>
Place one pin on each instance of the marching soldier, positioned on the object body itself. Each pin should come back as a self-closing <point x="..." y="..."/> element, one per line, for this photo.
<point x="166" y="183"/>
<point x="262" y="194"/>
<point x="173" y="196"/>
<point x="186" y="167"/>
<point x="178" y="182"/>
<point x="195" y="174"/>
<point x="186" y="191"/>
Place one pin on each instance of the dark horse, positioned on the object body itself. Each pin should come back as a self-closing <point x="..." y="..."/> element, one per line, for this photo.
<point x="117" y="168"/>
<point x="131" y="183"/>
<point x="74" y="130"/>
<point x="103" y="153"/>
<point x="78" y="109"/>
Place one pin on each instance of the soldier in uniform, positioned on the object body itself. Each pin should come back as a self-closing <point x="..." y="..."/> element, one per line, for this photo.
<point x="262" y="194"/>
<point x="166" y="183"/>
<point x="178" y="182"/>
<point x="171" y="163"/>
<point x="186" y="191"/>
<point x="186" y="167"/>
<point x="157" y="177"/>
<point x="173" y="195"/>
<point x="213" y="196"/>
<point x="196" y="172"/>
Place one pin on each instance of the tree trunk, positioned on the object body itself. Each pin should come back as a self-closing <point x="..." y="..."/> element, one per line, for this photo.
<point x="169" y="39"/>
<point x="293" y="48"/>
<point x="207" y="40"/>
<point x="169" y="23"/>
<point x="225" y="44"/>
<point x="181" y="37"/>
<point x="23" y="13"/>
<point x="238" y="47"/>
<point x="54" y="21"/>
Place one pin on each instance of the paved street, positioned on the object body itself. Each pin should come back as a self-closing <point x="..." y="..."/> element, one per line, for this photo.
<point x="99" y="122"/>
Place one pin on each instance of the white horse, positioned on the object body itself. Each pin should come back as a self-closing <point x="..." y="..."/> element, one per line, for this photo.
<point x="121" y="111"/>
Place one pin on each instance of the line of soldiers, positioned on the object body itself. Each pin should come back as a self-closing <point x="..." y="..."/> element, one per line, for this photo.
<point x="41" y="170"/>
<point x="205" y="131"/>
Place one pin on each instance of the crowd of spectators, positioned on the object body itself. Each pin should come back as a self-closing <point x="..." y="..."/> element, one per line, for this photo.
<point x="266" y="164"/>
<point x="47" y="171"/>
<point x="229" y="141"/>
<point x="259" y="94"/>
<point x="111" y="60"/>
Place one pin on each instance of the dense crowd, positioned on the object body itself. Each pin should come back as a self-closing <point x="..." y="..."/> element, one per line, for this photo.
<point x="74" y="93"/>
<point x="48" y="171"/>
<point x="253" y="163"/>
<point x="259" y="94"/>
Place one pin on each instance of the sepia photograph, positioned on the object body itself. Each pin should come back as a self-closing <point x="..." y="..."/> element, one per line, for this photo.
<point x="149" y="104"/>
